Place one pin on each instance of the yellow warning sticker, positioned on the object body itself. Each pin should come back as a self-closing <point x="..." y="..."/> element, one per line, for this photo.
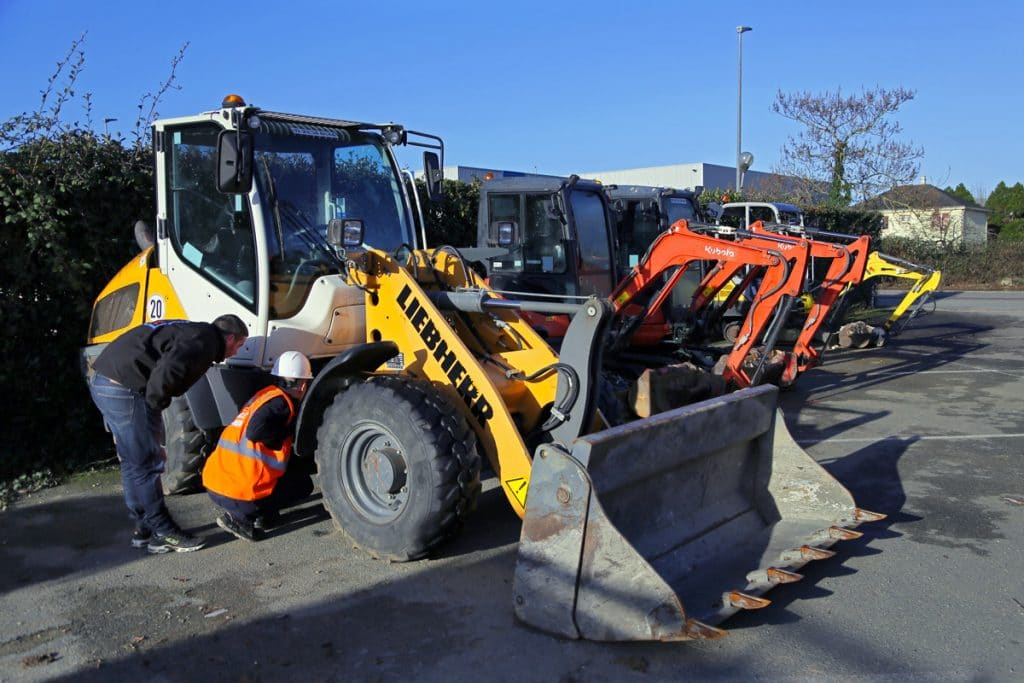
<point x="518" y="488"/>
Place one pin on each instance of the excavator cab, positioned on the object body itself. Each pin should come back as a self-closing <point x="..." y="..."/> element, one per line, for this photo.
<point x="545" y="237"/>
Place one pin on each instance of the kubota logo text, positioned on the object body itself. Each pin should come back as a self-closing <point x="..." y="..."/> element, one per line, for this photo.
<point x="456" y="371"/>
<point x="718" y="251"/>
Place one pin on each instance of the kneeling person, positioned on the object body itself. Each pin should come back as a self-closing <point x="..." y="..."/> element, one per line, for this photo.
<point x="247" y="475"/>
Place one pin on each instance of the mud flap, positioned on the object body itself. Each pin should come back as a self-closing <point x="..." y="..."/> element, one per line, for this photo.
<point x="660" y="528"/>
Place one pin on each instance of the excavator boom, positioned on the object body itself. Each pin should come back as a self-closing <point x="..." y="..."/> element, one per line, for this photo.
<point x="779" y="265"/>
<point x="926" y="282"/>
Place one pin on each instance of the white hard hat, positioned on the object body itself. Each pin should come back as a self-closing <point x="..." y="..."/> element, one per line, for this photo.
<point x="292" y="365"/>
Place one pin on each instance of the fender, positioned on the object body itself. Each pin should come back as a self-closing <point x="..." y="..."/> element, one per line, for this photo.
<point x="347" y="367"/>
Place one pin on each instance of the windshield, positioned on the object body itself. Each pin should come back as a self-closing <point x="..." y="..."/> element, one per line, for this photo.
<point x="308" y="180"/>
<point x="790" y="218"/>
<point x="307" y="176"/>
<point x="680" y="208"/>
<point x="538" y="246"/>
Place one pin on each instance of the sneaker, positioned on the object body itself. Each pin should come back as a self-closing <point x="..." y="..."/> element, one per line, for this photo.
<point x="177" y="540"/>
<point x="141" y="536"/>
<point x="239" y="528"/>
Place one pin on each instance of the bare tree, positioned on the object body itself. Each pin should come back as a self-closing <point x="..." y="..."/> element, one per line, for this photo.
<point x="980" y="194"/>
<point x="849" y="143"/>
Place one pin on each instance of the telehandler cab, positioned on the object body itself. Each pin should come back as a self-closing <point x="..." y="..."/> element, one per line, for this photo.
<point x="654" y="529"/>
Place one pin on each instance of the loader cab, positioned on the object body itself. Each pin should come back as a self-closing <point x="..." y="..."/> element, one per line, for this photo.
<point x="546" y="236"/>
<point x="260" y="252"/>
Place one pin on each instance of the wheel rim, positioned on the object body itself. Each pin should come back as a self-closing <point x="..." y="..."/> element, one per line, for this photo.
<point x="374" y="473"/>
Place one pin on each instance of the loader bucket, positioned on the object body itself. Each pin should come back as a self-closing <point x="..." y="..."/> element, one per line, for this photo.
<point x="661" y="528"/>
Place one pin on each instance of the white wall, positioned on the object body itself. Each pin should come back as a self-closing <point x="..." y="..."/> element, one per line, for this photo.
<point x="956" y="225"/>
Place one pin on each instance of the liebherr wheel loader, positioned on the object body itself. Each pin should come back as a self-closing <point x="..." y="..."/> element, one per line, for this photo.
<point x="655" y="529"/>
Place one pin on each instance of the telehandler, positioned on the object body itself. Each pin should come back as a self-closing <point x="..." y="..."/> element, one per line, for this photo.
<point x="654" y="529"/>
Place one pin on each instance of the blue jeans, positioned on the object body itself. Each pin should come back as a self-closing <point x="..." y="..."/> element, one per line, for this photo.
<point x="138" y="431"/>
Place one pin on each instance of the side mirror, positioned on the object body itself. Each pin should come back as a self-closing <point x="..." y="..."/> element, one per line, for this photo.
<point x="713" y="210"/>
<point x="234" y="162"/>
<point x="432" y="175"/>
<point x="345" y="233"/>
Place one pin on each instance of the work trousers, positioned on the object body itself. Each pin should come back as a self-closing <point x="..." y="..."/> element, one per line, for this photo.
<point x="138" y="431"/>
<point x="294" y="485"/>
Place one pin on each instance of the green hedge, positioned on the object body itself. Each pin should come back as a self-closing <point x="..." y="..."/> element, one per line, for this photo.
<point x="67" y="206"/>
<point x="996" y="265"/>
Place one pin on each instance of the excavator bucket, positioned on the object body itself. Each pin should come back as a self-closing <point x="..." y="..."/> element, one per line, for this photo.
<point x="660" y="529"/>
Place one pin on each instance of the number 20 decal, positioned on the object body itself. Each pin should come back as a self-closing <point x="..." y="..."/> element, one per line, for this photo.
<point x="155" y="307"/>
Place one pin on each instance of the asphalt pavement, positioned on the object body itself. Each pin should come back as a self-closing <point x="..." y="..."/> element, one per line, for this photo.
<point x="927" y="429"/>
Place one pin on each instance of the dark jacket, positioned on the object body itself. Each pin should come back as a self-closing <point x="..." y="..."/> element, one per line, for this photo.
<point x="163" y="359"/>
<point x="272" y="423"/>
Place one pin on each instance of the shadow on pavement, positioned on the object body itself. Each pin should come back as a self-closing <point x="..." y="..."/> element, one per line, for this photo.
<point x="52" y="540"/>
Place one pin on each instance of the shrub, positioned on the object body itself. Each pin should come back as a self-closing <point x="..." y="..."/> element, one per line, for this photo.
<point x="68" y="199"/>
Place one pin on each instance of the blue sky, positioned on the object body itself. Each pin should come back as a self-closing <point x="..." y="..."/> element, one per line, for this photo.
<point x="556" y="87"/>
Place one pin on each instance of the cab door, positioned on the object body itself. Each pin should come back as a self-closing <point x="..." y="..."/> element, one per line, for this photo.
<point x="205" y="238"/>
<point x="595" y="266"/>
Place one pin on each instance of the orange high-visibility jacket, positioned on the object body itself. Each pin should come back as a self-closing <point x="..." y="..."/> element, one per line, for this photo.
<point x="242" y="469"/>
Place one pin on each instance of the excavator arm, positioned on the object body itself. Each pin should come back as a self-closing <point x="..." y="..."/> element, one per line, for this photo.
<point x="846" y="269"/>
<point x="926" y="281"/>
<point x="674" y="250"/>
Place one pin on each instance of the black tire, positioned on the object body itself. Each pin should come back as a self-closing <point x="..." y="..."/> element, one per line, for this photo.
<point x="186" y="448"/>
<point x="425" y="467"/>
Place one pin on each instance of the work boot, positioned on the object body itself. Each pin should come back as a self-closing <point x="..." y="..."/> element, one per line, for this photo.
<point x="175" y="540"/>
<point x="141" y="537"/>
<point x="267" y="521"/>
<point x="239" y="528"/>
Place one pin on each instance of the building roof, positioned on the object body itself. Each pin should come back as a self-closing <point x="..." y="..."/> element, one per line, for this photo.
<point x="922" y="196"/>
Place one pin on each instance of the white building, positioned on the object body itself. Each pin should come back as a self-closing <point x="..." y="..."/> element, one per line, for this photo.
<point x="679" y="176"/>
<point x="925" y="212"/>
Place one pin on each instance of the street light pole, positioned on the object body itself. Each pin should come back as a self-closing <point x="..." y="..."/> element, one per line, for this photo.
<point x="740" y="30"/>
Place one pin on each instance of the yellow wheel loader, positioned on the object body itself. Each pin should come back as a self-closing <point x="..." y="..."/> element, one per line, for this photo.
<point x="655" y="529"/>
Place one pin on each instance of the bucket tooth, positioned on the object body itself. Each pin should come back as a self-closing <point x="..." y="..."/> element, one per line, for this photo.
<point x="805" y="554"/>
<point x="862" y="515"/>
<point x="838" y="533"/>
<point x="698" y="630"/>
<point x="773" y="575"/>
<point x="743" y="600"/>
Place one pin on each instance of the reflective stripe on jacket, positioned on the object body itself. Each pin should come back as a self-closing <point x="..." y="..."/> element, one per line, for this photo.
<point x="247" y="470"/>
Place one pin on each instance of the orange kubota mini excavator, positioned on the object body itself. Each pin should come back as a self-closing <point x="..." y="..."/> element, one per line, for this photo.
<point x="776" y="264"/>
<point x="846" y="269"/>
